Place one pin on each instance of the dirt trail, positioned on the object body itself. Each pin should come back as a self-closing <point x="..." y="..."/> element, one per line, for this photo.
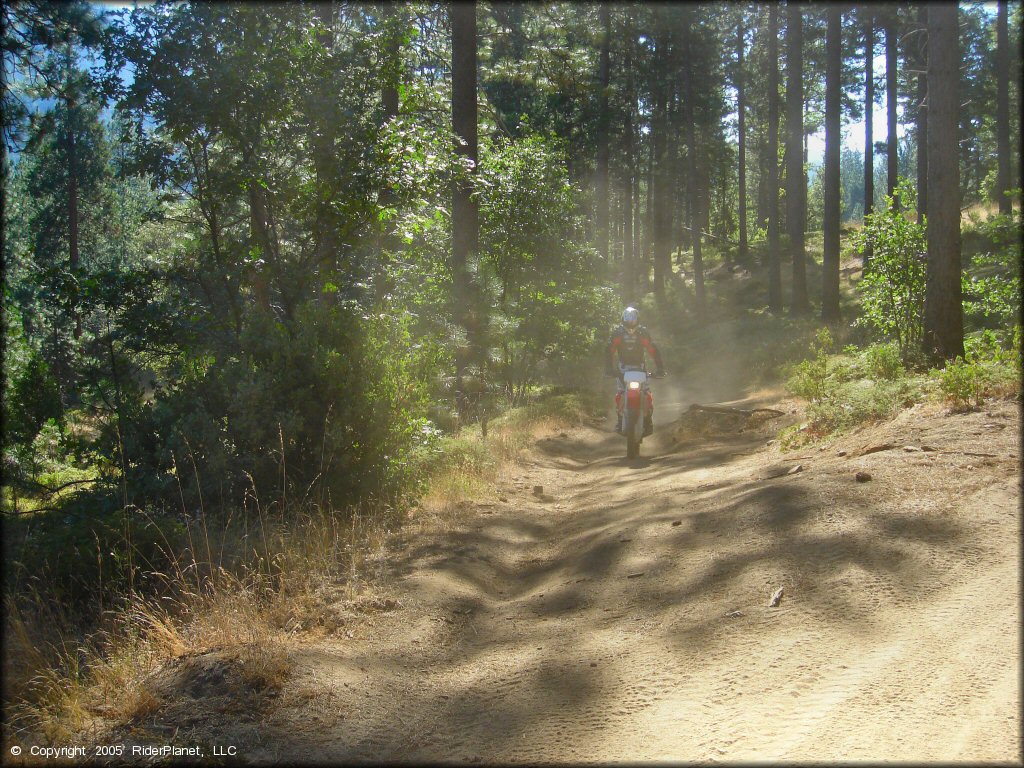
<point x="623" y="614"/>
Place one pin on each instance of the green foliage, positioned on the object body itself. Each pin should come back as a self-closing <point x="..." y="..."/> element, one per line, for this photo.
<point x="809" y="377"/>
<point x="990" y="368"/>
<point x="857" y="386"/>
<point x="961" y="383"/>
<point x="552" y="306"/>
<point x="992" y="281"/>
<point x="34" y="400"/>
<point x="884" y="361"/>
<point x="330" y="409"/>
<point x="892" y="290"/>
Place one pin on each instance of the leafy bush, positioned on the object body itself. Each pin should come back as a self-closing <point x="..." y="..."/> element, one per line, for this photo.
<point x="863" y="400"/>
<point x="809" y="377"/>
<point x="990" y="368"/>
<point x="328" y="408"/>
<point x="851" y="388"/>
<point x="991" y="285"/>
<point x="894" y="284"/>
<point x="545" y="280"/>
<point x="961" y="383"/>
<point x="883" y="361"/>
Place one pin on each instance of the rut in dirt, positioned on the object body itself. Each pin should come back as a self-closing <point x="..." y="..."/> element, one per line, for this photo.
<point x="623" y="614"/>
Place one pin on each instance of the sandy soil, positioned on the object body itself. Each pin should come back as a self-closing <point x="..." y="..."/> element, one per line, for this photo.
<point x="623" y="614"/>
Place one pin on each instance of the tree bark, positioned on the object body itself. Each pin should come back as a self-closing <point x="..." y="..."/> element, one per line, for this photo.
<point x="465" y="224"/>
<point x="796" y="185"/>
<point x="73" y="247"/>
<point x="922" y="115"/>
<point x="772" y="151"/>
<point x="661" y="193"/>
<point x="869" y="112"/>
<point x="391" y="78"/>
<point x="392" y="74"/>
<point x="601" y="190"/>
<point x="1003" y="172"/>
<point x="833" y="74"/>
<point x="648" y="231"/>
<point x="694" y="193"/>
<point x="321" y="145"/>
<point x="943" y="308"/>
<point x="892" y="176"/>
<point x="741" y="114"/>
<point x="628" y="239"/>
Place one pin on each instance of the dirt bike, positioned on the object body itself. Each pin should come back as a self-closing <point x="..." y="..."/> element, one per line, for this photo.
<point x="636" y="408"/>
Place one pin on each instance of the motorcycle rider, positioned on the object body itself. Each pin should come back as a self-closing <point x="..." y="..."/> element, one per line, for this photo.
<point x="630" y="341"/>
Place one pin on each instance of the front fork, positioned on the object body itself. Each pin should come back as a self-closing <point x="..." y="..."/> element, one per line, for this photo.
<point x="619" y="401"/>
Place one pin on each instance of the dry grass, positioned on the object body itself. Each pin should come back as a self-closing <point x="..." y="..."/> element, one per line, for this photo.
<point x="59" y="684"/>
<point x="241" y="591"/>
<point x="473" y="466"/>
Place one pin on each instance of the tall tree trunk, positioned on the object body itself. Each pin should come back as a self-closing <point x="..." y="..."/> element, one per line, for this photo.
<point x="922" y="115"/>
<point x="465" y="226"/>
<point x="741" y="113"/>
<point x="70" y="126"/>
<point x="260" y="230"/>
<point x="761" y="215"/>
<point x="601" y="191"/>
<point x="637" y="244"/>
<point x="628" y="255"/>
<point x="73" y="248"/>
<point x="772" y="151"/>
<point x="869" y="113"/>
<point x="833" y="75"/>
<point x="628" y="238"/>
<point x="391" y="78"/>
<point x="892" y="176"/>
<point x="321" y="145"/>
<point x="694" y="193"/>
<point x="702" y="208"/>
<point x="796" y="185"/>
<point x="392" y="74"/>
<point x="943" y="308"/>
<point x="648" y="240"/>
<point x="1003" y="109"/>
<point x="662" y="192"/>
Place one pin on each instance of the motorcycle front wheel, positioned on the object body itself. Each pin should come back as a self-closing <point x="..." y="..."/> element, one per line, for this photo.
<point x="632" y="430"/>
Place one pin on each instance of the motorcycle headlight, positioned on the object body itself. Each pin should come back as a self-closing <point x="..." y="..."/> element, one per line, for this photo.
<point x="634" y="385"/>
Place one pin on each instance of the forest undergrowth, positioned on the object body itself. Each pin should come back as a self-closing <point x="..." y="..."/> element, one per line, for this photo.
<point x="138" y="591"/>
<point x="244" y="584"/>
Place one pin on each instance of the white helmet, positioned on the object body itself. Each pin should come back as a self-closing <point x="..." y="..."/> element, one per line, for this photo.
<point x="630" y="318"/>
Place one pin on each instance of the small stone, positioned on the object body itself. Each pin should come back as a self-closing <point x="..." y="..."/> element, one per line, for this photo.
<point x="911" y="449"/>
<point x="841" y="453"/>
<point x="776" y="598"/>
<point x="593" y="663"/>
<point x="676" y="522"/>
<point x="503" y="499"/>
<point x="928" y="448"/>
<point x="797" y="468"/>
<point x="863" y="477"/>
<point x="562" y="434"/>
<point x="733" y="614"/>
<point x="538" y="490"/>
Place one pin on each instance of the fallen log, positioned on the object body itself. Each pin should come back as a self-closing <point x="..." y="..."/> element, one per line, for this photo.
<point x="729" y="411"/>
